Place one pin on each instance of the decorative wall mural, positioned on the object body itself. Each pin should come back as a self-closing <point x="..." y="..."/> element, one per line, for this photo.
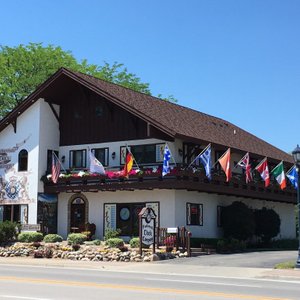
<point x="14" y="186"/>
<point x="5" y="158"/>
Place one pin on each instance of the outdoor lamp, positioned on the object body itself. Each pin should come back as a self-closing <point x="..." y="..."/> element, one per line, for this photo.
<point x="296" y="156"/>
<point x="113" y="155"/>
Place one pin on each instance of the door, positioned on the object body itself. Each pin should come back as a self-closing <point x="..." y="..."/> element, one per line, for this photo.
<point x="78" y="211"/>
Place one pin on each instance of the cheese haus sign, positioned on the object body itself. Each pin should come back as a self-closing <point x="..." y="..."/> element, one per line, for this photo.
<point x="147" y="223"/>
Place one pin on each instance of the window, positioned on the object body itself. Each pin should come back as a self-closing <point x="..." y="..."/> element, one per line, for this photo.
<point x="23" y="160"/>
<point x="144" y="154"/>
<point x="102" y="155"/>
<point x="78" y="159"/>
<point x="194" y="214"/>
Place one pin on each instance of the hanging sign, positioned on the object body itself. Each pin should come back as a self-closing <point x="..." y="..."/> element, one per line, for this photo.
<point x="147" y="221"/>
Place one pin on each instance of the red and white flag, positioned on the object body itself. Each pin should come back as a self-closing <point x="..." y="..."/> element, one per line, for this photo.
<point x="55" y="171"/>
<point x="263" y="169"/>
<point x="224" y="161"/>
<point x="245" y="164"/>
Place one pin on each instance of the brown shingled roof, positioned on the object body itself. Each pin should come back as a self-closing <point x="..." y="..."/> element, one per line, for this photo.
<point x="174" y="119"/>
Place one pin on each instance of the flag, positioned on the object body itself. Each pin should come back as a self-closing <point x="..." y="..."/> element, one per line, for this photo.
<point x="263" y="169"/>
<point x="292" y="175"/>
<point x="205" y="159"/>
<point x="245" y="164"/>
<point x="55" y="168"/>
<point x="128" y="164"/>
<point x="167" y="157"/>
<point x="278" y="173"/>
<point x="225" y="164"/>
<point x="95" y="165"/>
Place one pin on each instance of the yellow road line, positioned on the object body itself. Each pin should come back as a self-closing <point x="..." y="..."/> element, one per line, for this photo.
<point x="137" y="288"/>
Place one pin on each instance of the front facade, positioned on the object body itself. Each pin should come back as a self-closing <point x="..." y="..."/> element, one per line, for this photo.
<point x="72" y="114"/>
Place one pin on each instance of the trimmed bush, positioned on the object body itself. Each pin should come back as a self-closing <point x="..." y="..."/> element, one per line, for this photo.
<point x="8" y="231"/>
<point x="96" y="242"/>
<point x="134" y="242"/>
<point x="52" y="238"/>
<point x="238" y="221"/>
<point x="197" y="242"/>
<point x="111" y="233"/>
<point x="230" y="246"/>
<point x="115" y="243"/>
<point x="76" y="238"/>
<point x="267" y="224"/>
<point x="30" y="237"/>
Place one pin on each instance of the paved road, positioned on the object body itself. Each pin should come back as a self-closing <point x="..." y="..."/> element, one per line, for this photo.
<point x="263" y="259"/>
<point x="38" y="282"/>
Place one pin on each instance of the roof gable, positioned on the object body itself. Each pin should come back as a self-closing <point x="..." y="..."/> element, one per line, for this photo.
<point x="173" y="119"/>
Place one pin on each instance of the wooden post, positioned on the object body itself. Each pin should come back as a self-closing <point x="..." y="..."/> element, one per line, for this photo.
<point x="140" y="233"/>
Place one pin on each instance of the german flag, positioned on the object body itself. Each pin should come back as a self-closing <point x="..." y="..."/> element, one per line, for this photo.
<point x="128" y="164"/>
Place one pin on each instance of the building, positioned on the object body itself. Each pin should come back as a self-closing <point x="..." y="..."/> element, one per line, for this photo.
<point x="72" y="113"/>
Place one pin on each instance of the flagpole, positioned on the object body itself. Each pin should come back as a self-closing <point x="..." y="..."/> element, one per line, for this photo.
<point x="220" y="158"/>
<point x="199" y="155"/>
<point x="276" y="166"/>
<point x="260" y="163"/>
<point x="288" y="172"/>
<point x="59" y="161"/>
<point x="237" y="164"/>
<point x="132" y="156"/>
<point x="171" y="154"/>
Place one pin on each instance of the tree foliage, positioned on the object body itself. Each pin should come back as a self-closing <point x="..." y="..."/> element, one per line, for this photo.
<point x="25" y="67"/>
<point x="267" y="224"/>
<point x="238" y="221"/>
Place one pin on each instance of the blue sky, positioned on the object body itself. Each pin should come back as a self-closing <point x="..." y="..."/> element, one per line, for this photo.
<point x="237" y="60"/>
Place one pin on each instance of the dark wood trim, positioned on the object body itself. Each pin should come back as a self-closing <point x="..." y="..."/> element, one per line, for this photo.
<point x="14" y="124"/>
<point x="54" y="111"/>
<point x="189" y="183"/>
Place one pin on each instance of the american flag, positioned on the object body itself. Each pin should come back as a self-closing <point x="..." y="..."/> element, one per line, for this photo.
<point x="55" y="168"/>
<point x="245" y="164"/>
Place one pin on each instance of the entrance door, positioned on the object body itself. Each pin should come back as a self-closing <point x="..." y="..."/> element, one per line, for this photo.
<point x="77" y="215"/>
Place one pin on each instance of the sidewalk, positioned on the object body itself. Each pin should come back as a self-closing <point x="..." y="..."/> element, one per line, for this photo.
<point x="159" y="268"/>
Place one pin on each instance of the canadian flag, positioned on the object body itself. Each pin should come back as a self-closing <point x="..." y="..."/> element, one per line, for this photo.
<point x="263" y="169"/>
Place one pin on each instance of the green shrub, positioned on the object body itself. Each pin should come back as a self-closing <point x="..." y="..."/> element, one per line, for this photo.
<point x="52" y="238"/>
<point x="285" y="244"/>
<point x="238" y="221"/>
<point x="134" y="242"/>
<point x="197" y="242"/>
<point x="97" y="242"/>
<point x="267" y="224"/>
<point x="114" y="243"/>
<point x="230" y="246"/>
<point x="76" y="238"/>
<point x="8" y="231"/>
<point x="111" y="233"/>
<point x="29" y="237"/>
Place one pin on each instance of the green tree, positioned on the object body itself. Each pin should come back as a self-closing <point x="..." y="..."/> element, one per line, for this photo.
<point x="25" y="67"/>
<point x="238" y="221"/>
<point x="267" y="224"/>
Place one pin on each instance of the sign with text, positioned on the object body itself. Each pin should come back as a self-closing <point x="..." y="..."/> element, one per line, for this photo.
<point x="147" y="219"/>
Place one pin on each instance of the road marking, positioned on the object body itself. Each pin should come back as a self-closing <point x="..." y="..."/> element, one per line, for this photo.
<point x="136" y="288"/>
<point x="203" y="282"/>
<point x="22" y="297"/>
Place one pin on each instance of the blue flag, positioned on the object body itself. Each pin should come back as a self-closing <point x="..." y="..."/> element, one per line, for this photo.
<point x="205" y="159"/>
<point x="167" y="157"/>
<point x="292" y="175"/>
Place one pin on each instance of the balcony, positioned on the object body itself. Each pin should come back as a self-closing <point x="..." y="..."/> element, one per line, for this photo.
<point x="179" y="179"/>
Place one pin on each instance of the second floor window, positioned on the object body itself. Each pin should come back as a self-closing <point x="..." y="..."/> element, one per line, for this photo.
<point x="102" y="155"/>
<point x="77" y="159"/>
<point x="23" y="160"/>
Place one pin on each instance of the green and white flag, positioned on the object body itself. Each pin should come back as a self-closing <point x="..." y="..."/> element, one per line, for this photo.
<point x="278" y="173"/>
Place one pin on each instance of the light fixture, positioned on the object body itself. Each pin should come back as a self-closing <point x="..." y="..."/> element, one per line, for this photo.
<point x="113" y="155"/>
<point x="180" y="152"/>
<point x="63" y="158"/>
<point x="296" y="156"/>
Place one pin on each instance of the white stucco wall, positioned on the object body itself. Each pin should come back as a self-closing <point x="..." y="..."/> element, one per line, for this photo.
<point x="27" y="129"/>
<point x="173" y="209"/>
